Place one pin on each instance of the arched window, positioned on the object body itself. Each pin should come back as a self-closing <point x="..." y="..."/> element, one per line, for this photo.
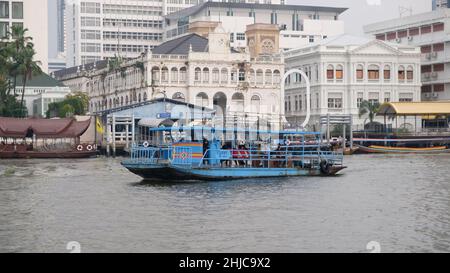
<point x="224" y="76"/>
<point x="330" y="72"/>
<point x="165" y="75"/>
<point x="126" y="100"/>
<point x="339" y="72"/>
<point x="410" y="73"/>
<point x="237" y="101"/>
<point x="259" y="76"/>
<point x="241" y="75"/>
<point x="198" y="75"/>
<point x="268" y="76"/>
<point x="387" y="72"/>
<point x="234" y="75"/>
<point x="401" y="73"/>
<point x="373" y="72"/>
<point x="255" y="104"/>
<point x="183" y="72"/>
<point x="110" y="103"/>
<point x="179" y="97"/>
<point x="201" y="99"/>
<point x="360" y="72"/>
<point x="155" y="74"/>
<point x="174" y="75"/>
<point x="205" y="75"/>
<point x="139" y="97"/>
<point x="251" y="77"/>
<point x="215" y="75"/>
<point x="121" y="101"/>
<point x="145" y="96"/>
<point x="276" y="77"/>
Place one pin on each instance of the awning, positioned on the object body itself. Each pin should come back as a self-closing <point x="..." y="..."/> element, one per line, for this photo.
<point x="414" y="108"/>
<point x="154" y="122"/>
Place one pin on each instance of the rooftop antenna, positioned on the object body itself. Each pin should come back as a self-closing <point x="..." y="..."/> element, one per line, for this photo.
<point x="402" y="10"/>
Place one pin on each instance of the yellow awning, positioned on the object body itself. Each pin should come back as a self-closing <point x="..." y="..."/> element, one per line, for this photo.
<point x="415" y="108"/>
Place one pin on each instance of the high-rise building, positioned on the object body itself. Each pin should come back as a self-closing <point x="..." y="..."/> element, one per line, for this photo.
<point x="60" y="10"/>
<point x="32" y="15"/>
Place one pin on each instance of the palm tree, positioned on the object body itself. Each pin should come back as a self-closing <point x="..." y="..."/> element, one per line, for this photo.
<point x="27" y="68"/>
<point x="21" y="41"/>
<point x="370" y="109"/>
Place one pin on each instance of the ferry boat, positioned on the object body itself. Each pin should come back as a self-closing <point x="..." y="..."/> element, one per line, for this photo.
<point x="288" y="154"/>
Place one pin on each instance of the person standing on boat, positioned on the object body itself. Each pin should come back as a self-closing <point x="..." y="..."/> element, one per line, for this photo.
<point x="205" y="150"/>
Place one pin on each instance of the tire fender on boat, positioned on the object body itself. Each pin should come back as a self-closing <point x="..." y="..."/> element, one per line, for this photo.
<point x="325" y="167"/>
<point x="89" y="147"/>
<point x="80" y="147"/>
<point x="146" y="144"/>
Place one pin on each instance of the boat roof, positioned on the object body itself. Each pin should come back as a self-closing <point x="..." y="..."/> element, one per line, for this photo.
<point x="218" y="129"/>
<point x="43" y="128"/>
<point x="415" y="108"/>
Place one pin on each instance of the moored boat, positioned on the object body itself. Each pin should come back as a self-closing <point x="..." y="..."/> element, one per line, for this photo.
<point x="397" y="150"/>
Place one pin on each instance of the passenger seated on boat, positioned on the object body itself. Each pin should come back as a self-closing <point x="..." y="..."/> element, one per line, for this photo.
<point x="242" y="154"/>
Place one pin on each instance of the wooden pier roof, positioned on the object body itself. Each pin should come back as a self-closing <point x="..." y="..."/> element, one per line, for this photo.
<point x="415" y="108"/>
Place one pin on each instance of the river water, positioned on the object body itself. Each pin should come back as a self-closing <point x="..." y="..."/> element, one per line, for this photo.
<point x="402" y="202"/>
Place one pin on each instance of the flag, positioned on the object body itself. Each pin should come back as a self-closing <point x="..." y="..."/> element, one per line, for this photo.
<point x="98" y="125"/>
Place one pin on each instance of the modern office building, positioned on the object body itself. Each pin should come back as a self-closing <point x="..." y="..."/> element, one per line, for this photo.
<point x="344" y="71"/>
<point x="61" y="25"/>
<point x="431" y="32"/>
<point x="299" y="25"/>
<point x="101" y="29"/>
<point x="32" y="15"/>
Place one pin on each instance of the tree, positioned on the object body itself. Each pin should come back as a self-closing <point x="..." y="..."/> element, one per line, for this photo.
<point x="27" y="68"/>
<point x="74" y="104"/>
<point x="369" y="109"/>
<point x="21" y="42"/>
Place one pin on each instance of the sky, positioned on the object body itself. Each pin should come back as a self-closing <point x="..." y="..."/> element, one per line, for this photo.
<point x="359" y="13"/>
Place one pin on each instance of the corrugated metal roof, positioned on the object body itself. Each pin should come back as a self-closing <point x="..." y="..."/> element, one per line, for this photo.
<point x="415" y="108"/>
<point x="196" y="9"/>
<point x="73" y="70"/>
<point x="181" y="45"/>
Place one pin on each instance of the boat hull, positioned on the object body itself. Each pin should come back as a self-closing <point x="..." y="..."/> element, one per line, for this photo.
<point x="34" y="154"/>
<point x="179" y="173"/>
<point x="397" y="150"/>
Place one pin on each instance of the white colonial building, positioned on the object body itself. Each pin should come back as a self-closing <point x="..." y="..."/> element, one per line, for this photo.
<point x="346" y="70"/>
<point x="299" y="24"/>
<point x="203" y="71"/>
<point x="431" y="32"/>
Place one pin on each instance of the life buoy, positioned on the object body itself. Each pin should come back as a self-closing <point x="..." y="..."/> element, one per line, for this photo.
<point x="287" y="142"/>
<point x="80" y="147"/>
<point x="146" y="144"/>
<point x="89" y="147"/>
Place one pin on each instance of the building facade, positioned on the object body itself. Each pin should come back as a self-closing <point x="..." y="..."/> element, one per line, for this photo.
<point x="437" y="4"/>
<point x="40" y="91"/>
<point x="345" y="71"/>
<point x="299" y="25"/>
<point x="193" y="69"/>
<point x="32" y="15"/>
<point x="61" y="25"/>
<point x="431" y="32"/>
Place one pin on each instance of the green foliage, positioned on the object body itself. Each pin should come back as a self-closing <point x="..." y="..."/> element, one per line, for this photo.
<point x="73" y="104"/>
<point x="16" y="60"/>
<point x="369" y="109"/>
